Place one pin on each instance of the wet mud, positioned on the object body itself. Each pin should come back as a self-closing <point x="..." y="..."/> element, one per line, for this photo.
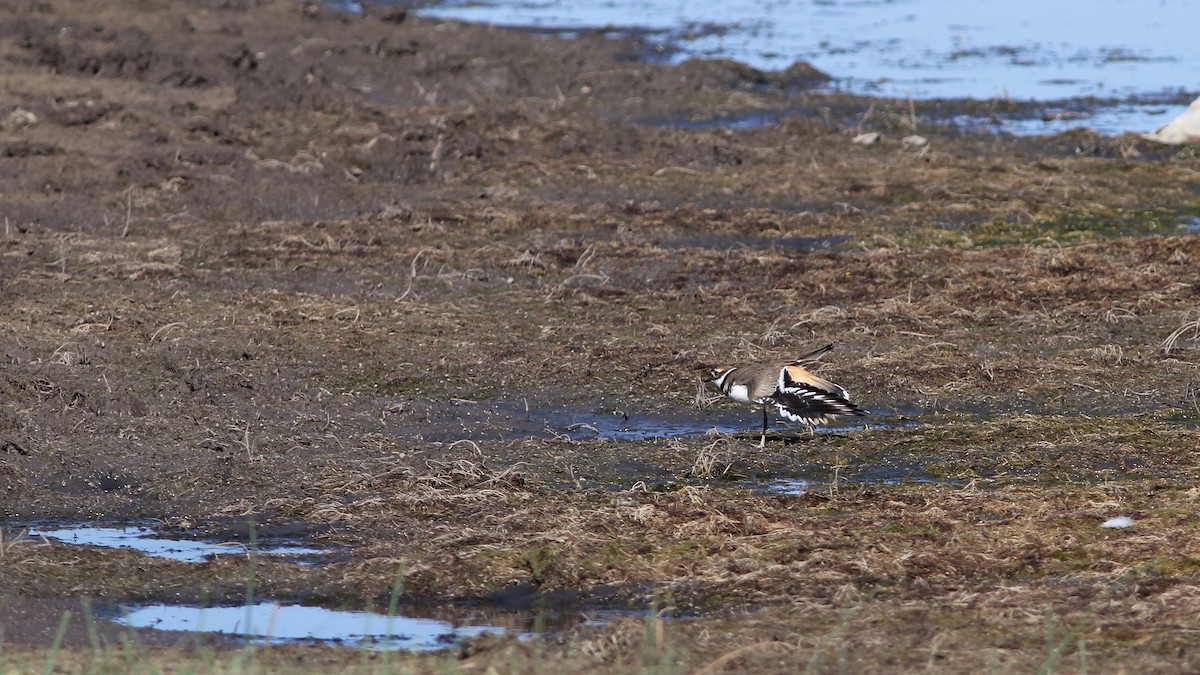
<point x="437" y="298"/>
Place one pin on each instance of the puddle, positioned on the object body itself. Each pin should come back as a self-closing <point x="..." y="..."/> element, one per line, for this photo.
<point x="787" y="486"/>
<point x="274" y="623"/>
<point x="621" y="427"/>
<point x="482" y="422"/>
<point x="631" y="427"/>
<point x="820" y="478"/>
<point x="579" y="425"/>
<point x="1193" y="225"/>
<point x="279" y="623"/>
<point x="1021" y="49"/>
<point x="147" y="541"/>
<point x="412" y="629"/>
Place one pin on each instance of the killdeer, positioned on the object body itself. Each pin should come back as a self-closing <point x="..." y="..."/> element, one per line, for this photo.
<point x="796" y="393"/>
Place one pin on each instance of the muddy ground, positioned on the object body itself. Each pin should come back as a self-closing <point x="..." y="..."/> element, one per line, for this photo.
<point x="272" y="263"/>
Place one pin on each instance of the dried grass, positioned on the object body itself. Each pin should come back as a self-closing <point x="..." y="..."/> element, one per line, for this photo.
<point x="466" y="522"/>
<point x="713" y="460"/>
<point x="1170" y="343"/>
<point x="705" y="396"/>
<point x="916" y="310"/>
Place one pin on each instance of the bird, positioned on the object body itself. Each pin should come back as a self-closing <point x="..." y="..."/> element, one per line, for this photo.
<point x="797" y="394"/>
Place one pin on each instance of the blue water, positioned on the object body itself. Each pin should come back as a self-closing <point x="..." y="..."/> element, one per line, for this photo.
<point x="735" y="420"/>
<point x="494" y="422"/>
<point x="1037" y="50"/>
<point x="1023" y="49"/>
<point x="1109" y="119"/>
<point x="278" y="624"/>
<point x="147" y="541"/>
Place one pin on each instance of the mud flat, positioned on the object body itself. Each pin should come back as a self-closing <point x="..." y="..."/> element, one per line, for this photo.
<point x="425" y="294"/>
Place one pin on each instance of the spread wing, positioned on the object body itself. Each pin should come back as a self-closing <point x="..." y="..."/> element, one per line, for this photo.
<point x="792" y="376"/>
<point x="804" y="397"/>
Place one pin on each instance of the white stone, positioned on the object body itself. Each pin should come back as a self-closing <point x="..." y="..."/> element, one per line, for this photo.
<point x="19" y="118"/>
<point x="1118" y="523"/>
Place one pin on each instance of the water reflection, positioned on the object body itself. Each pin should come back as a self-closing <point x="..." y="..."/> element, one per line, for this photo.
<point x="275" y="623"/>
<point x="147" y="541"/>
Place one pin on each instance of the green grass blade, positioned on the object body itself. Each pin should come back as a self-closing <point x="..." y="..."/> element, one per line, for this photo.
<point x="52" y="657"/>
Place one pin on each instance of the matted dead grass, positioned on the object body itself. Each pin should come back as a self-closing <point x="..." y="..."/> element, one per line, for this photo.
<point x="283" y="264"/>
<point x="962" y="579"/>
<point x="289" y="396"/>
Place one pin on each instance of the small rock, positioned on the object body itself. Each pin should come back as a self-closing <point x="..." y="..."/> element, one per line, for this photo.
<point x="1063" y="116"/>
<point x="397" y="211"/>
<point x="19" y="118"/>
<point x="869" y="138"/>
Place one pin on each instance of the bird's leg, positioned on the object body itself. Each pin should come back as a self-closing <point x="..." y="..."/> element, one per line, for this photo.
<point x="762" y="443"/>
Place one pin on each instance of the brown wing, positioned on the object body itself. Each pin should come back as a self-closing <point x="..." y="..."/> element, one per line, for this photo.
<point x="792" y="373"/>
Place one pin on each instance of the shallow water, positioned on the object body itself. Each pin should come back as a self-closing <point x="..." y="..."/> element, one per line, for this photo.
<point x="1108" y="118"/>
<point x="481" y="421"/>
<point x="816" y="478"/>
<point x="147" y="541"/>
<point x="276" y="623"/>
<point x="976" y="49"/>
<point x="787" y="486"/>
<point x="1023" y="49"/>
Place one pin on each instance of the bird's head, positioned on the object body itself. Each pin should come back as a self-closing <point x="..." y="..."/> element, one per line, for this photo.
<point x="716" y="377"/>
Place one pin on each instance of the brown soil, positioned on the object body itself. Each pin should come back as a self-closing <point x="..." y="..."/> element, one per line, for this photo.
<point x="262" y="259"/>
